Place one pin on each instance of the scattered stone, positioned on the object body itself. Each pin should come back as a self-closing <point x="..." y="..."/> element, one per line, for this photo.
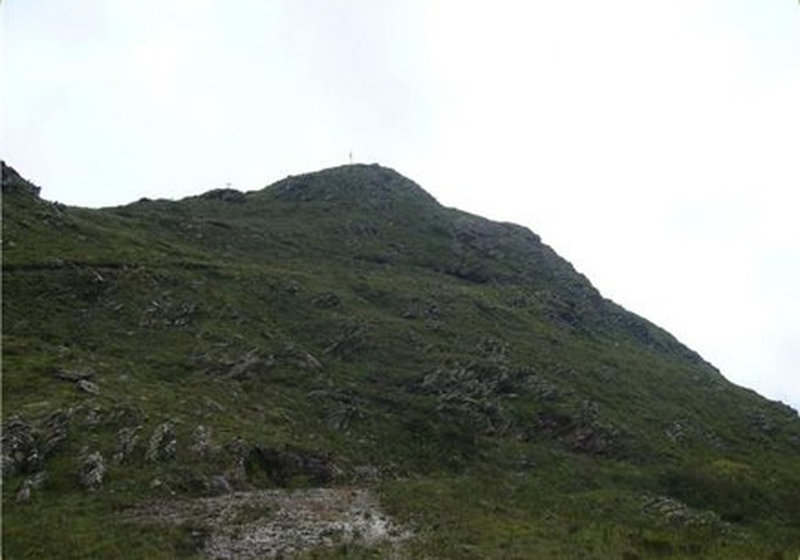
<point x="163" y="444"/>
<point x="677" y="431"/>
<point x="675" y="513"/>
<point x="252" y="363"/>
<point x="92" y="471"/>
<point x="541" y="387"/>
<point x="73" y="376"/>
<point x="594" y="439"/>
<point x="417" y="309"/>
<point x="93" y="416"/>
<point x="29" y="484"/>
<point x="201" y="443"/>
<point x="238" y="449"/>
<point x="327" y="300"/>
<point x="218" y="484"/>
<point x="280" y="523"/>
<point x="760" y="421"/>
<point x="367" y="473"/>
<point x="213" y="405"/>
<point x="86" y="386"/>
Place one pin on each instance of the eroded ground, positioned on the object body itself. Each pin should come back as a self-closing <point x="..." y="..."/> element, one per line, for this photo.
<point x="278" y="523"/>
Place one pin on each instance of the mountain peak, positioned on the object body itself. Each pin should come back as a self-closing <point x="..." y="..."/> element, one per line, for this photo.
<point x="340" y="333"/>
<point x="368" y="185"/>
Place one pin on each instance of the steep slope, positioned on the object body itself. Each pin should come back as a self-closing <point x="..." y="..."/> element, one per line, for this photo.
<point x="342" y="328"/>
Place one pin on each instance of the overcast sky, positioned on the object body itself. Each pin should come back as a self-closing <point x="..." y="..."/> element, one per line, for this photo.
<point x="654" y="144"/>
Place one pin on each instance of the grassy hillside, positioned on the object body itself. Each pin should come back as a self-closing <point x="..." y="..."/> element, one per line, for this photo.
<point x="342" y="330"/>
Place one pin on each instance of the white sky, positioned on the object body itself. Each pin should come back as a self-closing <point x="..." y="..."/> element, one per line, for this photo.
<point x="655" y="145"/>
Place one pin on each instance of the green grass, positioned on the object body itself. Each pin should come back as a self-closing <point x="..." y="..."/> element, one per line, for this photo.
<point x="347" y="315"/>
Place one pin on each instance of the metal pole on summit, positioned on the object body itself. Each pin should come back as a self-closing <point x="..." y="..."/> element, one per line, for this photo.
<point x="351" y="157"/>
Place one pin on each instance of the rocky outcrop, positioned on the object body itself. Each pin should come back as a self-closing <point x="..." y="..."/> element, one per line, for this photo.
<point x="91" y="471"/>
<point x="26" y="445"/>
<point x="670" y="511"/>
<point x="280" y="523"/>
<point x="127" y="440"/>
<point x="20" y="451"/>
<point x="163" y="443"/>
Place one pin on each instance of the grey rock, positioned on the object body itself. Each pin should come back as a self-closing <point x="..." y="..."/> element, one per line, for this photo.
<point x="127" y="438"/>
<point x="677" y="431"/>
<point x="201" y="443"/>
<point x="93" y="416"/>
<point x="326" y="300"/>
<point x="239" y="449"/>
<point x="675" y="513"/>
<point x="218" y="485"/>
<point x="20" y="453"/>
<point x="86" y="386"/>
<point x="212" y="405"/>
<point x="367" y="473"/>
<point x="92" y="471"/>
<point x="29" y="484"/>
<point x="72" y="376"/>
<point x="251" y="364"/>
<point x="163" y="444"/>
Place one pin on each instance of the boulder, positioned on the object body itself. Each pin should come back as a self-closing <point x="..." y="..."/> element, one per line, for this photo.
<point x="92" y="471"/>
<point x="163" y="444"/>
<point x="127" y="438"/>
<point x="86" y="386"/>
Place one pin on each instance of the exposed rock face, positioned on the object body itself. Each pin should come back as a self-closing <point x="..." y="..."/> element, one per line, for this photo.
<point x="163" y="444"/>
<point x="673" y="512"/>
<point x="92" y="471"/>
<point x="25" y="447"/>
<point x="127" y="439"/>
<point x="20" y="453"/>
<point x="280" y="523"/>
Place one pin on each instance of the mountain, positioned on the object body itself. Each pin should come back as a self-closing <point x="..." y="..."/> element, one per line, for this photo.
<point x="338" y="366"/>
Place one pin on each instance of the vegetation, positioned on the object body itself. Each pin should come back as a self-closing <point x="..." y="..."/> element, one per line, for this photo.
<point x="342" y="329"/>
